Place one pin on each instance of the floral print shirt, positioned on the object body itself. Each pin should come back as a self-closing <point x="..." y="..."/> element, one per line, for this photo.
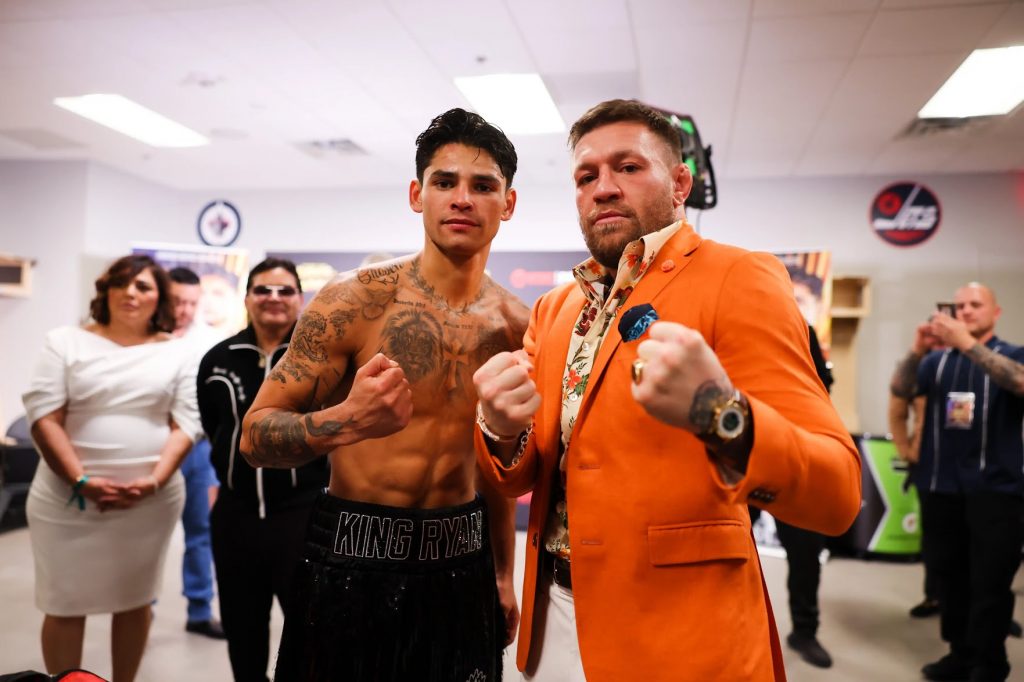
<point x="605" y="293"/>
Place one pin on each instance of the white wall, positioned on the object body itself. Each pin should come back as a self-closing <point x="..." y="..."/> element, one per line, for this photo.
<point x="84" y="216"/>
<point x="981" y="237"/>
<point x="42" y="214"/>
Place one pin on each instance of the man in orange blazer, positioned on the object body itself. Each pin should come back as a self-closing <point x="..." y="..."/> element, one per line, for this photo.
<point x="649" y="442"/>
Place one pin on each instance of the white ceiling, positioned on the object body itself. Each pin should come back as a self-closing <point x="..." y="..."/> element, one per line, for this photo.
<point x="778" y="87"/>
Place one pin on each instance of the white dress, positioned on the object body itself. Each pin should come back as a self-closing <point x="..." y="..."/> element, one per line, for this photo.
<point x="119" y="402"/>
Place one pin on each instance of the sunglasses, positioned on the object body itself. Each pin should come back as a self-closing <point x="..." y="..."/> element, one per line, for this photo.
<point x="282" y="290"/>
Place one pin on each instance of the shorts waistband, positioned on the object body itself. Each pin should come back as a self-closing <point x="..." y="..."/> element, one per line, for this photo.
<point x="342" y="531"/>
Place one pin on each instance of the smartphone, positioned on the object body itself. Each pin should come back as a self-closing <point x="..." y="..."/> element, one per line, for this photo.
<point x="948" y="308"/>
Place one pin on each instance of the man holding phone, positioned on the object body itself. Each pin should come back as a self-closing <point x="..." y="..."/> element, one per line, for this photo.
<point x="972" y="467"/>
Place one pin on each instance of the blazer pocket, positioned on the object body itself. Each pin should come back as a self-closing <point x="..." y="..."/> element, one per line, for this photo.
<point x="692" y="543"/>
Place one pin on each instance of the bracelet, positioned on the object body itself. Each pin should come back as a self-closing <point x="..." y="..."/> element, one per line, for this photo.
<point x="156" y="483"/>
<point x="487" y="430"/>
<point x="524" y="438"/>
<point x="76" y="492"/>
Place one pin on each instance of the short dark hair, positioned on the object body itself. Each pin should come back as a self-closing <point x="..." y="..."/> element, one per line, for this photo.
<point x="458" y="126"/>
<point x="270" y="264"/>
<point x="120" y="273"/>
<point x="627" y="111"/>
<point x="182" y="275"/>
<point x="800" y="276"/>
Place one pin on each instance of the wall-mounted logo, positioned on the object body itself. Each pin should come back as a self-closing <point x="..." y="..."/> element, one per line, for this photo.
<point x="905" y="213"/>
<point x="219" y="223"/>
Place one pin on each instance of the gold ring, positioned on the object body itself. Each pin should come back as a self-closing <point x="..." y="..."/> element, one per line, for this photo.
<point x="637" y="370"/>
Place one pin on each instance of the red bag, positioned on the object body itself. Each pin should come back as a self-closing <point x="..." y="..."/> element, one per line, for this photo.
<point x="76" y="675"/>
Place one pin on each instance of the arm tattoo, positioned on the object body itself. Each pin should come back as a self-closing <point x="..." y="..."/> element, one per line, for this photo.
<point x="904" y="379"/>
<point x="340" y="319"/>
<point x="281" y="439"/>
<point x="335" y="292"/>
<point x="1003" y="370"/>
<point x="736" y="453"/>
<point x="370" y="292"/>
<point x="328" y="428"/>
<point x="707" y="396"/>
<point x="289" y="367"/>
<point x="308" y="340"/>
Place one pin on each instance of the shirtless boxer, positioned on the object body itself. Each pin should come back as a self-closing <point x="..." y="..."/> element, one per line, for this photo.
<point x="408" y="568"/>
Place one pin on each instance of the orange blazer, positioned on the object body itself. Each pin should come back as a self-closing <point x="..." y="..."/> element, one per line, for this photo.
<point x="666" y="577"/>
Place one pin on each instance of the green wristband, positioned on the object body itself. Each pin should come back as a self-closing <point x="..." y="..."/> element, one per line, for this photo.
<point x="76" y="491"/>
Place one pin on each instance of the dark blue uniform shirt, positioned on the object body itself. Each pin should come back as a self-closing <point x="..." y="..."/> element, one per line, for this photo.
<point x="988" y="456"/>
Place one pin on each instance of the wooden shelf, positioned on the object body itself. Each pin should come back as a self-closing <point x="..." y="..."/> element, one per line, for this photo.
<point x="851" y="297"/>
<point x="851" y="302"/>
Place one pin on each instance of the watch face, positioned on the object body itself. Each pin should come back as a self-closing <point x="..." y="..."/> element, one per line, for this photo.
<point x="219" y="223"/>
<point x="730" y="423"/>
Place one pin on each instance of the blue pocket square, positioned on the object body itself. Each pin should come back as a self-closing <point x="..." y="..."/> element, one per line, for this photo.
<point x="635" y="321"/>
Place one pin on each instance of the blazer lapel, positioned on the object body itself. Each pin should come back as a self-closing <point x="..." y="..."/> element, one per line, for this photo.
<point x="553" y="369"/>
<point x="677" y="252"/>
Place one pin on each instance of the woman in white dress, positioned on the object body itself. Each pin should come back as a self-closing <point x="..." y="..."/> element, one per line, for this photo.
<point x="112" y="410"/>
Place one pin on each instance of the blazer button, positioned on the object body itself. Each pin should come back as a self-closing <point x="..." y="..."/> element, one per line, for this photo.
<point x="534" y="540"/>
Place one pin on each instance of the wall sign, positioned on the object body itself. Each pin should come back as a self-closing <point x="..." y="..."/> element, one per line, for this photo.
<point x="905" y="213"/>
<point x="219" y="223"/>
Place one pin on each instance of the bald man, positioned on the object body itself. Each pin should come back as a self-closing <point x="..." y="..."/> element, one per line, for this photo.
<point x="973" y="383"/>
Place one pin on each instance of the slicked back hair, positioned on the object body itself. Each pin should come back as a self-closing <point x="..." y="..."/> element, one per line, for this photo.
<point x="627" y="111"/>
<point x="270" y="264"/>
<point x="458" y="126"/>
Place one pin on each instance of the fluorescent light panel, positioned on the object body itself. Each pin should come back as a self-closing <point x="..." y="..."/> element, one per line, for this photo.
<point x="132" y="119"/>
<point x="518" y="103"/>
<point x="988" y="83"/>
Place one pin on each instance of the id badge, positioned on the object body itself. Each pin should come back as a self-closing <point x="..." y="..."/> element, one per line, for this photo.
<point x="959" y="409"/>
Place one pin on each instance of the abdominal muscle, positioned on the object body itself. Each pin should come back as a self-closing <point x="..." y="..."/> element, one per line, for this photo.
<point x="428" y="464"/>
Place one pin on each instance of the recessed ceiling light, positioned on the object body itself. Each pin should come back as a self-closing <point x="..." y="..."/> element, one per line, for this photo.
<point x="988" y="83"/>
<point x="518" y="103"/>
<point x="132" y="119"/>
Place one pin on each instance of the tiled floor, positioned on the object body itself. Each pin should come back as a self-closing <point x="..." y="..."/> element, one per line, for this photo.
<point x="864" y="623"/>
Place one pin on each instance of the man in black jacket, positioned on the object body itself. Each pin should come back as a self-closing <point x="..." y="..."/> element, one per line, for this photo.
<point x="259" y="520"/>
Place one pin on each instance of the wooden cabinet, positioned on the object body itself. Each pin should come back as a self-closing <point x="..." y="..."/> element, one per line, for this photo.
<point x="851" y="301"/>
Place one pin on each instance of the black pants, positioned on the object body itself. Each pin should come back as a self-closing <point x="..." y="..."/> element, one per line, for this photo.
<point x="975" y="547"/>
<point x="803" y="547"/>
<point x="255" y="560"/>
<point x="931" y="583"/>
<point x="388" y="594"/>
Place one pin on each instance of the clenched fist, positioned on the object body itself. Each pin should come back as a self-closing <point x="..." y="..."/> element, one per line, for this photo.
<point x="680" y="374"/>
<point x="508" y="396"/>
<point x="380" y="400"/>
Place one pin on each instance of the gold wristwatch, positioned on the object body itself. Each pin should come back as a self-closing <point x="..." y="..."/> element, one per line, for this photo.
<point x="728" y="421"/>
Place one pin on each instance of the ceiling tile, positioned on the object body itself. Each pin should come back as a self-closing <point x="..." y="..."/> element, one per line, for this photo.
<point x="576" y="36"/>
<point x="923" y="31"/>
<point x="680" y="14"/>
<point x="1008" y="30"/>
<point x="803" y="8"/>
<point x="466" y="39"/>
<point x="775" y="114"/>
<point x="271" y="73"/>
<point x="34" y="10"/>
<point x="876" y="99"/>
<point x="902" y="4"/>
<point x="830" y="36"/>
